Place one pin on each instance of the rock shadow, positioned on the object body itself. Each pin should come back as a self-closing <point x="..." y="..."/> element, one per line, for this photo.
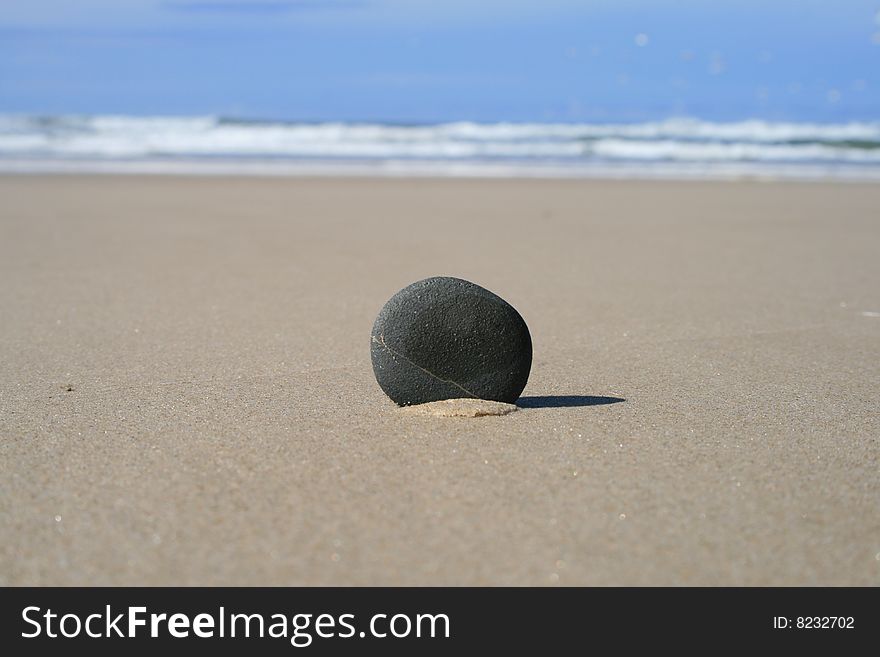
<point x="565" y="401"/>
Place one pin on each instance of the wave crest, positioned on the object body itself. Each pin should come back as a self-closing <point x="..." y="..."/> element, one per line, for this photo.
<point x="106" y="138"/>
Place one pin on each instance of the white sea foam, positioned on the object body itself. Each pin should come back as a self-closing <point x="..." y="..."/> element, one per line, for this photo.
<point x="29" y="142"/>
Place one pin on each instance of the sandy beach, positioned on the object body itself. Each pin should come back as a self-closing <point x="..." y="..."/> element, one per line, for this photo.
<point x="186" y="396"/>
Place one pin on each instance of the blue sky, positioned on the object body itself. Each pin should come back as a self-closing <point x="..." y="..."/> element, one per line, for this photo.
<point x="420" y="61"/>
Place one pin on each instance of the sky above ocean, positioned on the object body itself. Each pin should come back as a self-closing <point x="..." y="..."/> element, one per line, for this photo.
<point x="415" y="61"/>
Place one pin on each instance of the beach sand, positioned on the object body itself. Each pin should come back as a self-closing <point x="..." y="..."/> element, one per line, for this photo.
<point x="186" y="394"/>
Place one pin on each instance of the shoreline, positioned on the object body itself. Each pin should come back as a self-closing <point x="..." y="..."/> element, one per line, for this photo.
<point x="420" y="170"/>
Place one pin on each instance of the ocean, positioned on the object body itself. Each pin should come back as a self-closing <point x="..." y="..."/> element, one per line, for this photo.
<point x="673" y="148"/>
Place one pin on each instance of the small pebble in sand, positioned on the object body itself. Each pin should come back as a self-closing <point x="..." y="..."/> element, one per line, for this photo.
<point x="460" y="408"/>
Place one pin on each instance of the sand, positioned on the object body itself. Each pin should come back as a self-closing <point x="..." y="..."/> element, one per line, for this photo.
<point x="186" y="394"/>
<point x="460" y="408"/>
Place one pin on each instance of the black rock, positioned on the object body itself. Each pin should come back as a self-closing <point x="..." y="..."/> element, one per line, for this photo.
<point x="446" y="338"/>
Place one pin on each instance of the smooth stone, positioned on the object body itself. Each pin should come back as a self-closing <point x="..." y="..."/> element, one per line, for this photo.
<point x="460" y="408"/>
<point x="447" y="338"/>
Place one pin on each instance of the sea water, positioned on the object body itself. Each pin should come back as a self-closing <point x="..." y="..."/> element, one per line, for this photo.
<point x="676" y="148"/>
